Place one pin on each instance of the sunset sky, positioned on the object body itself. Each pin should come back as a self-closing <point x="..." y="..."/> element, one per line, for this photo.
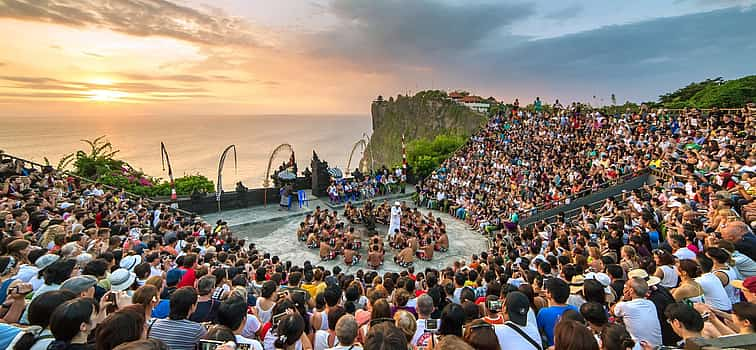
<point x="94" y="57"/>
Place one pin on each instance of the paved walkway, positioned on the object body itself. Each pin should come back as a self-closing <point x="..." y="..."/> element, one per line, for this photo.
<point x="274" y="232"/>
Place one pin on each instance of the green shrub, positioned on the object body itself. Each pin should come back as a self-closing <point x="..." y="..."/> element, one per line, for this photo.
<point x="425" y="155"/>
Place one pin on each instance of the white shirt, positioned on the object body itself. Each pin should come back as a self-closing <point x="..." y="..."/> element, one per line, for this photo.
<point x="714" y="293"/>
<point x="641" y="321"/>
<point x="685" y="253"/>
<point x="253" y="344"/>
<point x="511" y="340"/>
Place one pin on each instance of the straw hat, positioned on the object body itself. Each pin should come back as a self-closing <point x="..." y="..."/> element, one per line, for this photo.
<point x="640" y="273"/>
<point x="576" y="284"/>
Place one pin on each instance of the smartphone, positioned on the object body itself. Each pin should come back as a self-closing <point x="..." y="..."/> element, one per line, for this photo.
<point x="431" y="325"/>
<point x="209" y="344"/>
<point x="494" y="305"/>
<point x="277" y="318"/>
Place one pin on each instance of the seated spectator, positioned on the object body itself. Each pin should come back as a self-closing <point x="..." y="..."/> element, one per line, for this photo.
<point x="557" y="292"/>
<point x="638" y="313"/>
<point x="176" y="331"/>
<point x="71" y="323"/>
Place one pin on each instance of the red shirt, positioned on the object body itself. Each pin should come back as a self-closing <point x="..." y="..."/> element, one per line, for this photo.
<point x="187" y="280"/>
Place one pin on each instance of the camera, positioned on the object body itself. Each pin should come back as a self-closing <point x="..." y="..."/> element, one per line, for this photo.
<point x="431" y="325"/>
<point x="277" y="318"/>
<point x="205" y="344"/>
<point x="493" y="305"/>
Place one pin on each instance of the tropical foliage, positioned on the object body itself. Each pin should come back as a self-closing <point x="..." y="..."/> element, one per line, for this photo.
<point x="98" y="163"/>
<point x="425" y="155"/>
<point x="712" y="93"/>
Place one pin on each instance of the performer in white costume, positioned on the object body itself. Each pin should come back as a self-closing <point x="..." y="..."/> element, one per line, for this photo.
<point x="395" y="223"/>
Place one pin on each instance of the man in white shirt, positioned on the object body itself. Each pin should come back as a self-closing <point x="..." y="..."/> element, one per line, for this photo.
<point x="346" y="333"/>
<point x="639" y="313"/>
<point x="424" y="309"/>
<point x="517" y="333"/>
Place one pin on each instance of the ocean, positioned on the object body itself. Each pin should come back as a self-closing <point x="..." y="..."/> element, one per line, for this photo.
<point x="194" y="143"/>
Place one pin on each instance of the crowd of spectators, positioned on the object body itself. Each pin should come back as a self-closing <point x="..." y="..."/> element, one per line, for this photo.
<point x="362" y="186"/>
<point x="82" y="267"/>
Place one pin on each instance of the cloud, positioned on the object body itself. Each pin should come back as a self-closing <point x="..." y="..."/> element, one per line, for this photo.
<point x="187" y="78"/>
<point x="97" y="55"/>
<point x="50" y="88"/>
<point x="138" y="18"/>
<point x="565" y="13"/>
<point x="393" y="30"/>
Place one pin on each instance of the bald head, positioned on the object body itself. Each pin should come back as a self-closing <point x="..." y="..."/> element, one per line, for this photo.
<point x="734" y="231"/>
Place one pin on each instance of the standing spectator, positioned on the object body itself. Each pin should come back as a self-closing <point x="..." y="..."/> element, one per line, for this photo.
<point x="517" y="333"/>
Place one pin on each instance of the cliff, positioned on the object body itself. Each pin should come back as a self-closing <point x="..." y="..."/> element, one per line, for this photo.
<point x="425" y="115"/>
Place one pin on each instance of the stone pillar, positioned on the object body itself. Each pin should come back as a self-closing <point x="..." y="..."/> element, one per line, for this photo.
<point x="320" y="176"/>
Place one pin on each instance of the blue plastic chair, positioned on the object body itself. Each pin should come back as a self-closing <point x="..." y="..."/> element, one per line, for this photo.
<point x="303" y="201"/>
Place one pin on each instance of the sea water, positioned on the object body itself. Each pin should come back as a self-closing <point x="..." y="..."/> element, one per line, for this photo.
<point x="194" y="143"/>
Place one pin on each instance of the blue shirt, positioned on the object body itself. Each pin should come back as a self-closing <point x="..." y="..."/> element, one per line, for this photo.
<point x="7" y="334"/>
<point x="548" y="318"/>
<point x="162" y="309"/>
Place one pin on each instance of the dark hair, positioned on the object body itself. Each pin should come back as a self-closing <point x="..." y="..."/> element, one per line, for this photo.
<point x="385" y="336"/>
<point x="268" y="288"/>
<point x="593" y="291"/>
<point x="705" y="263"/>
<point x="181" y="302"/>
<point x="472" y="311"/>
<point x="616" y="337"/>
<point x="66" y="320"/>
<point x="686" y="314"/>
<point x="334" y="314"/>
<point x="232" y="311"/>
<point x="558" y="289"/>
<point x="290" y="329"/>
<point x="481" y="335"/>
<point x="746" y="312"/>
<point x="145" y="344"/>
<point x="690" y="267"/>
<point x="120" y="327"/>
<point x="452" y="319"/>
<point x="59" y="271"/>
<point x="332" y="295"/>
<point x="572" y="335"/>
<point x="96" y="267"/>
<point x="614" y="271"/>
<point x="594" y="313"/>
<point x="39" y="313"/>
<point x="220" y="333"/>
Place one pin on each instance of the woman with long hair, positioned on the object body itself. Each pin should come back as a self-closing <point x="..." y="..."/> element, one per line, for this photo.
<point x="665" y="268"/>
<point x="689" y="290"/>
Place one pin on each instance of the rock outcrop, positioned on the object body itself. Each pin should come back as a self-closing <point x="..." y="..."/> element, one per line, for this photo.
<point x="425" y="115"/>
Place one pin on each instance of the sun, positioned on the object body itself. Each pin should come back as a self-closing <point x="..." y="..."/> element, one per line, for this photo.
<point x="105" y="95"/>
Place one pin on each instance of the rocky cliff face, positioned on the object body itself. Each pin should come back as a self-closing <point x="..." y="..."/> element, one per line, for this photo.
<point x="425" y="115"/>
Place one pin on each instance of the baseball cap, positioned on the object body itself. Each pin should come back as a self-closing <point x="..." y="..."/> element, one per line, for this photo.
<point x="173" y="277"/>
<point x="79" y="284"/>
<point x="749" y="284"/>
<point x="517" y="305"/>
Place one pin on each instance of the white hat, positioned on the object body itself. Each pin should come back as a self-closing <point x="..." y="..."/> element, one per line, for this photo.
<point x="603" y="278"/>
<point x="121" y="279"/>
<point x="397" y="203"/>
<point x="130" y="261"/>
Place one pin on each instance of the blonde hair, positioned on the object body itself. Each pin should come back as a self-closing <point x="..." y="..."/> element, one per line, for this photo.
<point x="406" y="322"/>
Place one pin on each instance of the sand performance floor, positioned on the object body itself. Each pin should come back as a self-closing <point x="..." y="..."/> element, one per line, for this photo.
<point x="279" y="238"/>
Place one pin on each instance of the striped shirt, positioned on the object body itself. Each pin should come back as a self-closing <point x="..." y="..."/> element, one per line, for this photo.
<point x="177" y="334"/>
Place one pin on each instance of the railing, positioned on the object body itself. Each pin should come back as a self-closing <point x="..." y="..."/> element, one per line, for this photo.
<point x="525" y="213"/>
<point x="595" y="197"/>
<point x="38" y="166"/>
